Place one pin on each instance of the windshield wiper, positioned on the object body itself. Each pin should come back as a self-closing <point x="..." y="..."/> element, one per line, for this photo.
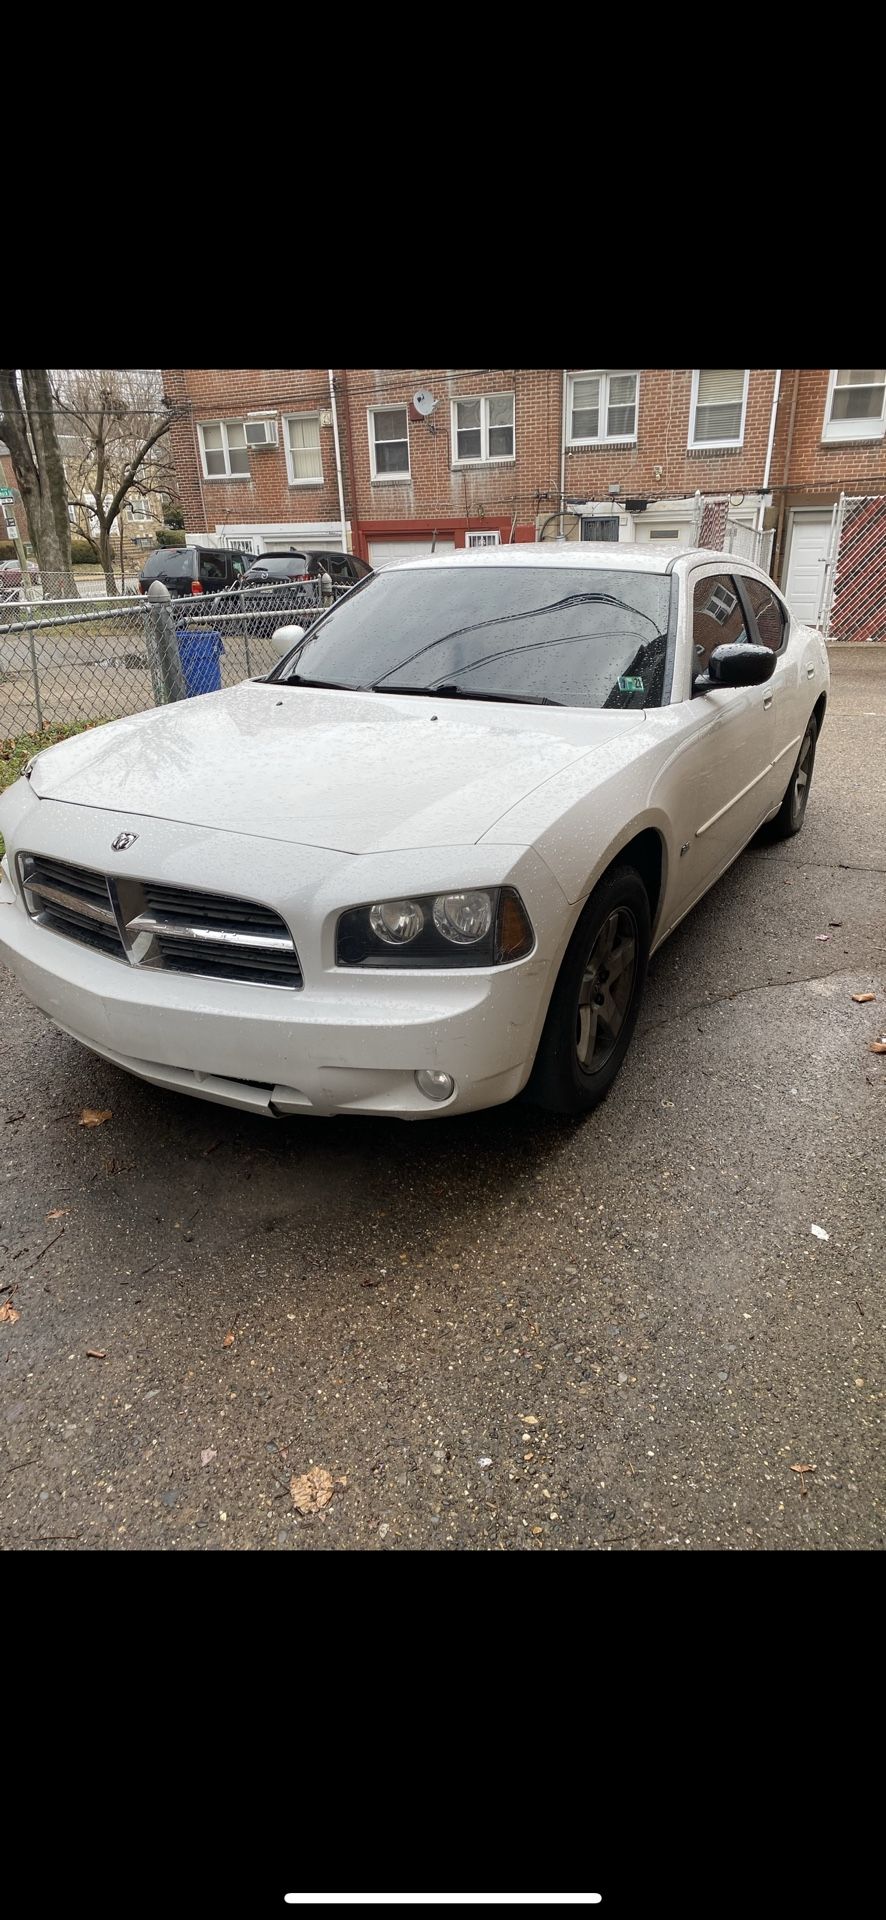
<point x="299" y="680"/>
<point x="452" y="691"/>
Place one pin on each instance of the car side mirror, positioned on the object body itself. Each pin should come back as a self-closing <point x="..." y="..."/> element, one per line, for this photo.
<point x="285" y="638"/>
<point x="738" y="663"/>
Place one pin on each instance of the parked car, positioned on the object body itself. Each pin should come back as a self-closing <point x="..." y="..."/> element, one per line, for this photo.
<point x="11" y="578"/>
<point x="286" y="583"/>
<point x="423" y="865"/>
<point x="187" y="570"/>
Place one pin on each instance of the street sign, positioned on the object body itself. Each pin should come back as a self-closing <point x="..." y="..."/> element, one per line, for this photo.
<point x="7" y="493"/>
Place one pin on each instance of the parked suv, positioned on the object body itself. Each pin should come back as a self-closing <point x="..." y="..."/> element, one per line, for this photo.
<point x="290" y="584"/>
<point x="194" y="569"/>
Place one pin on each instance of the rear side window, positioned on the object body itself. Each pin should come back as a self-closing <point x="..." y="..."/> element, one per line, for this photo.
<point x="768" y="613"/>
<point x="176" y="562"/>
<point x="717" y="618"/>
<point x="288" y="566"/>
<point x="212" y="569"/>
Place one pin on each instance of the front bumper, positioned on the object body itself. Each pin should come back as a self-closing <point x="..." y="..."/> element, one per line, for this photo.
<point x="350" y="1041"/>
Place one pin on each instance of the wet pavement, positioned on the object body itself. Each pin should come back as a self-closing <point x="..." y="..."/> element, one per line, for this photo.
<point x="505" y="1331"/>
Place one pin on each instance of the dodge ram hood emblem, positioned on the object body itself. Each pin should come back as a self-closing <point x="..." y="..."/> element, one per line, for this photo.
<point x="123" y="841"/>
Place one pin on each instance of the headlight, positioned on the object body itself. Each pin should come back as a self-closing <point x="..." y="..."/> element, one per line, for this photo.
<point x="481" y="927"/>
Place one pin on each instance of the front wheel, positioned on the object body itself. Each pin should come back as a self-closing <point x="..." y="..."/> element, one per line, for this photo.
<point x="596" y="1000"/>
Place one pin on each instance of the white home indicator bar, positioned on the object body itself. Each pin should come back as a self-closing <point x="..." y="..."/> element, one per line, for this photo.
<point x="444" y="1899"/>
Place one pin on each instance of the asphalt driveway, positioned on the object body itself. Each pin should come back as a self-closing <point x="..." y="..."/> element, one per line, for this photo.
<point x="499" y="1332"/>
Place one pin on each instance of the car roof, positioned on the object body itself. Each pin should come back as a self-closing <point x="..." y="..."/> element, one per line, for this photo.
<point x="651" y="558"/>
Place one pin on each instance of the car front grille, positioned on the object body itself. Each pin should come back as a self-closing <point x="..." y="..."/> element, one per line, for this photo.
<point x="146" y="924"/>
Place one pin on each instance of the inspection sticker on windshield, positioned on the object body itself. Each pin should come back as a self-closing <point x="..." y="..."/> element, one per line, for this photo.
<point x="629" y="683"/>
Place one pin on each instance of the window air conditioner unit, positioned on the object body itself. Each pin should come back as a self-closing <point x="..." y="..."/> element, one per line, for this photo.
<point x="260" y="433"/>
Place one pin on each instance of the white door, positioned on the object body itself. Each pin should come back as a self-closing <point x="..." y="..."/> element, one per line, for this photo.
<point x="383" y="553"/>
<point x="810" y="540"/>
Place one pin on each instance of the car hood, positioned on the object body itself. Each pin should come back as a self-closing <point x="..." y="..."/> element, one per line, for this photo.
<point x="354" y="772"/>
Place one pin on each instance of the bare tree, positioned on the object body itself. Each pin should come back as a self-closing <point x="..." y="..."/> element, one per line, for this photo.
<point x="28" y="426"/>
<point x="112" y="424"/>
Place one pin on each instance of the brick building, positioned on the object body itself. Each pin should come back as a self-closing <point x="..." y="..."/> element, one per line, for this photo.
<point x="396" y="461"/>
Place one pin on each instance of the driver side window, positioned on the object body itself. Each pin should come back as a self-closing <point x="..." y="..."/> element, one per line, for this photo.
<point x="717" y="618"/>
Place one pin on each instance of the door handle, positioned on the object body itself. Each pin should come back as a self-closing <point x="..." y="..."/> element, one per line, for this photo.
<point x="809" y="672"/>
<point x="768" y="700"/>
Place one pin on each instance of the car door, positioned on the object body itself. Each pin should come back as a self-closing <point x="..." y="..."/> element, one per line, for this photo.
<point x="722" y="788"/>
<point x="790" y="683"/>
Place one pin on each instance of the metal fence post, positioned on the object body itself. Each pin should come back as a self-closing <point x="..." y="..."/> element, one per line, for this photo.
<point x="164" y="659"/>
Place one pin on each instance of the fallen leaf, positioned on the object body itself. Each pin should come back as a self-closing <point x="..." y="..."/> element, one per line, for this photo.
<point x="312" y="1490"/>
<point x="9" y="1314"/>
<point x="819" y="1233"/>
<point x="536" y="1529"/>
<point x="861" y="999"/>
<point x="799" y="1469"/>
<point x="822" y="936"/>
<point x="877" y="1046"/>
<point x="859" y="1382"/>
<point x="95" y="1117"/>
<point x="208" y="1454"/>
<point x="529" y="1419"/>
<point x="228" y="1340"/>
<point x="58" y="1212"/>
<point x="96" y="1353"/>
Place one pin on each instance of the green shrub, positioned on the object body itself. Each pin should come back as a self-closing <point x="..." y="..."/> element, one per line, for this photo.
<point x="82" y="554"/>
<point x="169" y="537"/>
<point x="174" y="517"/>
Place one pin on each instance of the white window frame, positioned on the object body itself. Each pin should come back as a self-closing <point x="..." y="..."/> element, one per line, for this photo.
<point x="227" y="475"/>
<point x="478" y="537"/>
<point x="145" y="510"/>
<point x="316" y="480"/>
<point x="850" y="429"/>
<point x="710" y="446"/>
<point x="485" y="458"/>
<point x="604" y="375"/>
<point x="389" y="479"/>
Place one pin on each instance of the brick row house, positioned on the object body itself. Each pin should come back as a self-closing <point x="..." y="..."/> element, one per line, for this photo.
<point x="392" y="462"/>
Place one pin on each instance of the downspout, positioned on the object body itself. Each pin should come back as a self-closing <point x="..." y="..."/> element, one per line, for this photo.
<point x="779" y="531"/>
<point x="776" y="391"/>
<point x="341" y="492"/>
<point x="563" y="451"/>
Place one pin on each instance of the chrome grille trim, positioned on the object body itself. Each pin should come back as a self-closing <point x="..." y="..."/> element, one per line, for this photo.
<point x="146" y="924"/>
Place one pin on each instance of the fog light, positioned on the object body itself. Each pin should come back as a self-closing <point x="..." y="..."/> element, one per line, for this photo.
<point x="434" y="1085"/>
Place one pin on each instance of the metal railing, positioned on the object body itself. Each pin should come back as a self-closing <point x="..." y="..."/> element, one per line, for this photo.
<point x="70" y="662"/>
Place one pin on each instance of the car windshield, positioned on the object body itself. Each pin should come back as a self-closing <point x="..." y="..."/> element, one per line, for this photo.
<point x="278" y="567"/>
<point x="573" y="637"/>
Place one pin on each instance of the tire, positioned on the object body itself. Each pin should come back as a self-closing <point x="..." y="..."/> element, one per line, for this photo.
<point x="792" y="812"/>
<point x="591" y="1016"/>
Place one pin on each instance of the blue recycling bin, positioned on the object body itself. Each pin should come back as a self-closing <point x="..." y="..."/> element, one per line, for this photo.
<point x="201" y="661"/>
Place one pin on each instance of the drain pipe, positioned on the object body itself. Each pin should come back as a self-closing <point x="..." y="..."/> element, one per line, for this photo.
<point x="779" y="531"/>
<point x="776" y="391"/>
<point x="341" y="493"/>
<point x="563" y="448"/>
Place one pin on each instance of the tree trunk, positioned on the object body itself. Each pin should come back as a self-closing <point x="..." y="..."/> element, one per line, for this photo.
<point x="37" y="463"/>
<point x="106" y="558"/>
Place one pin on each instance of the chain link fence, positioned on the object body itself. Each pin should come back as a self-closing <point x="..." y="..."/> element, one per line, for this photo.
<point x="853" y="605"/>
<point x="70" y="662"/>
<point x="716" y="527"/>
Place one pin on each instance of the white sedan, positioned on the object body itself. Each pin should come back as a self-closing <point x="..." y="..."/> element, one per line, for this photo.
<point x="423" y="865"/>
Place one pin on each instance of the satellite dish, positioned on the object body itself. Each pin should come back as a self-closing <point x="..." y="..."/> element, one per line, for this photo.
<point x="423" y="403"/>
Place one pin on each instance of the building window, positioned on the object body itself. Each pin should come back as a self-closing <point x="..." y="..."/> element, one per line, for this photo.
<point x="139" y="508"/>
<point x="602" y="407"/>
<point x="304" y="461"/>
<point x="389" y="442"/>
<point x="719" y="400"/>
<point x="482" y="429"/>
<point x="856" y="404"/>
<point x="224" y="449"/>
<point x="598" y="526"/>
<point x="491" y="539"/>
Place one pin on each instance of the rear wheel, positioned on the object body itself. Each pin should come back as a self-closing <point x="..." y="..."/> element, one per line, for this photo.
<point x="596" y="1000"/>
<point x="792" y="812"/>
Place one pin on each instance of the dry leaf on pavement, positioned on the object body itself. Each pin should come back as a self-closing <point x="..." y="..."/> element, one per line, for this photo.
<point x="96" y="1353"/>
<point x="228" y="1340"/>
<point x="209" y="1454"/>
<point x="95" y="1116"/>
<point x="878" y="1046"/>
<point x="58" y="1212"/>
<point x="799" y="1469"/>
<point x="528" y="1419"/>
<point x="861" y="999"/>
<point x="9" y="1314"/>
<point x="312" y="1490"/>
